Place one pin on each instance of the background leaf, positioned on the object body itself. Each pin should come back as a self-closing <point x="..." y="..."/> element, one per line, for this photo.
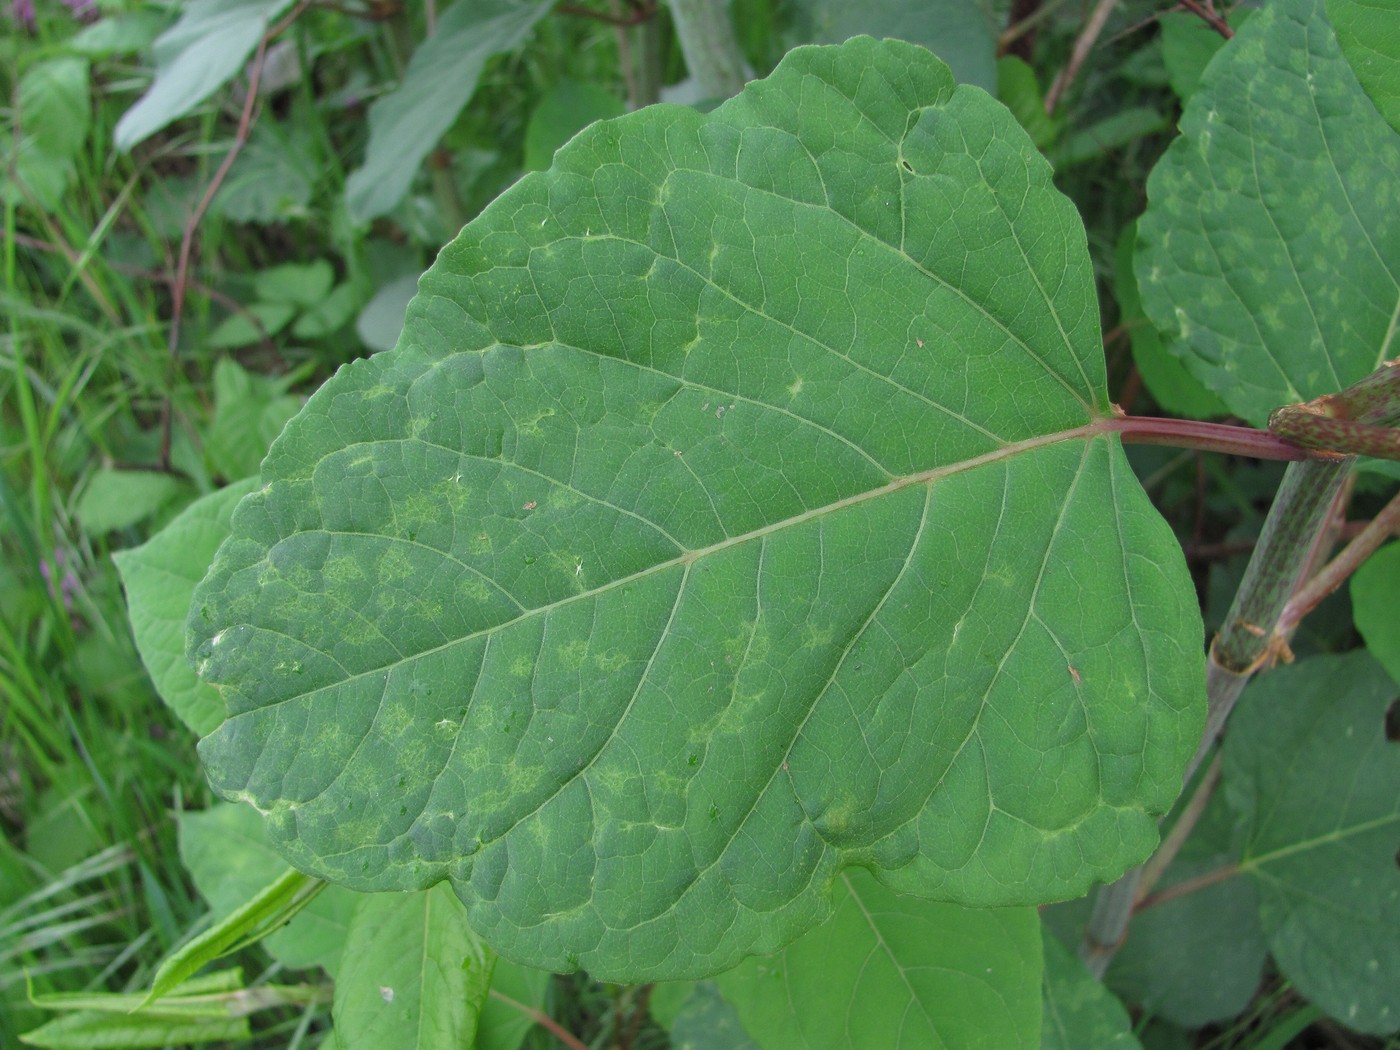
<point x="159" y="578"/>
<point x="961" y="33"/>
<point x="1316" y="783"/>
<point x="413" y="977"/>
<point x="194" y="58"/>
<point x="1270" y="247"/>
<point x="1373" y="591"/>
<point x="115" y="499"/>
<point x="1369" y="33"/>
<point x="889" y="972"/>
<point x="407" y="123"/>
<point x="1079" y="1012"/>
<point x="710" y="529"/>
<point x="53" y="118"/>
<point x="226" y="851"/>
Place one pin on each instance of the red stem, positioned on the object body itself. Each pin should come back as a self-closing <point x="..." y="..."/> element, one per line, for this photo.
<point x="1208" y="437"/>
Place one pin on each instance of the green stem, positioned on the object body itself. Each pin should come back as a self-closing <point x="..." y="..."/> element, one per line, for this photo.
<point x="710" y="47"/>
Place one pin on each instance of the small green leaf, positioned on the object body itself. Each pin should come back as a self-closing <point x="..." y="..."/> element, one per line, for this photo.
<point x="249" y="411"/>
<point x="256" y="322"/>
<point x="301" y="284"/>
<point x="226" y="851"/>
<point x="1316" y="783"/>
<point x="160" y="577"/>
<point x="1079" y="1012"/>
<point x="328" y="316"/>
<point x="1269" y="249"/>
<point x="566" y="110"/>
<point x="1369" y="32"/>
<point x="274" y="178"/>
<point x="731" y="511"/>
<point x="888" y="972"/>
<point x="1373" y="591"/>
<point x="194" y="58"/>
<point x="53" y="116"/>
<point x="116" y="499"/>
<point x="414" y="976"/>
<point x="407" y="123"/>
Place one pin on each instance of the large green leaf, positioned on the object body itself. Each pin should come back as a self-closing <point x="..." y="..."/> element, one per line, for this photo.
<point x="1316" y="783"/>
<point x="407" y="123"/>
<point x="890" y="972"/>
<point x="732" y="510"/>
<point x="1271" y="246"/>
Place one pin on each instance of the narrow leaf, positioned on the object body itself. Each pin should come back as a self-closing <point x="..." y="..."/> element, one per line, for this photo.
<point x="407" y="123"/>
<point x="194" y="58"/>
<point x="226" y="851"/>
<point x="1311" y="773"/>
<point x="731" y="511"/>
<point x="264" y="912"/>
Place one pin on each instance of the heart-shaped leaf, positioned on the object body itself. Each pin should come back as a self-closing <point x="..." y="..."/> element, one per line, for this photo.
<point x="735" y="507"/>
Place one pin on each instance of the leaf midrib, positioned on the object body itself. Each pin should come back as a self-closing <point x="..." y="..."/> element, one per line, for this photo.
<point x="689" y="557"/>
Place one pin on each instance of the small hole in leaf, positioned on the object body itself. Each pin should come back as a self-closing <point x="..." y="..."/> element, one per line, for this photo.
<point x="1392" y="721"/>
<point x="906" y="166"/>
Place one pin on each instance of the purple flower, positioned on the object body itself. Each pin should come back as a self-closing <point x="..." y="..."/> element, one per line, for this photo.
<point x="22" y="11"/>
<point x="82" y="9"/>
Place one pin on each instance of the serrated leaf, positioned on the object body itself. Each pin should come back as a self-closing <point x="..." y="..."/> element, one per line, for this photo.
<point x="889" y="972"/>
<point x="407" y="123"/>
<point x="1079" y="1012"/>
<point x="1309" y="771"/>
<point x="732" y="510"/>
<point x="414" y="976"/>
<point x="1373" y="591"/>
<point x="1369" y="33"/>
<point x="159" y="578"/>
<point x="1271" y="243"/>
<point x="194" y="58"/>
<point x="226" y="852"/>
